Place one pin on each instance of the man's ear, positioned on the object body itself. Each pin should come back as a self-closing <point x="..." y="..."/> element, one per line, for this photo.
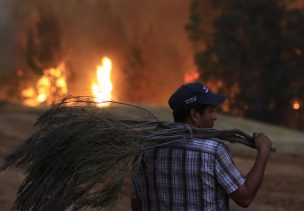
<point x="195" y="117"/>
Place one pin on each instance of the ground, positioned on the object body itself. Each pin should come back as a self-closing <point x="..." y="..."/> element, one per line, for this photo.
<point x="282" y="188"/>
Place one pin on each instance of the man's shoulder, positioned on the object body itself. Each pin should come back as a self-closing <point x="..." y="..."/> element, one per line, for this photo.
<point x="209" y="146"/>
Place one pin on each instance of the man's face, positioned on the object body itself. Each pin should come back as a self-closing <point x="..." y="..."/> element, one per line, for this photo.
<point x="207" y="117"/>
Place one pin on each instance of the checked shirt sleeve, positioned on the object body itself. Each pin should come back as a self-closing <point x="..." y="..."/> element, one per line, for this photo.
<point x="227" y="175"/>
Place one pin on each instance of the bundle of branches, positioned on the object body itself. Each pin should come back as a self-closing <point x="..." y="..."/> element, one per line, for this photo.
<point x="80" y="153"/>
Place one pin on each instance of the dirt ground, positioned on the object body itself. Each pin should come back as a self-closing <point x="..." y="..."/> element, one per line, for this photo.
<point x="282" y="188"/>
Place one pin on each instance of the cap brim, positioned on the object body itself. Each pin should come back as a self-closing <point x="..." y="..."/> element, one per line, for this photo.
<point x="214" y="99"/>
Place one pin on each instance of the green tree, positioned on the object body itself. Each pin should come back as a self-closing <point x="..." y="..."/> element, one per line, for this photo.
<point x="257" y="47"/>
<point x="293" y="55"/>
<point x="199" y="26"/>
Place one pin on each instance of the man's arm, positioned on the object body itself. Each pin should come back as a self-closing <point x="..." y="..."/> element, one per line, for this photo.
<point x="246" y="192"/>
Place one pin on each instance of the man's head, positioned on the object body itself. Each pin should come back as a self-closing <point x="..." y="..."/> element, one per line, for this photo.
<point x="195" y="104"/>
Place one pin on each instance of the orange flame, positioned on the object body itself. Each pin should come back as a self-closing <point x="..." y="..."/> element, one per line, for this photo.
<point x="102" y="88"/>
<point x="50" y="88"/>
<point x="296" y="104"/>
<point x="190" y="77"/>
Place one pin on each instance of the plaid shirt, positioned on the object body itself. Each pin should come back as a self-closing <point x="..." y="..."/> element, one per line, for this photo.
<point x="193" y="175"/>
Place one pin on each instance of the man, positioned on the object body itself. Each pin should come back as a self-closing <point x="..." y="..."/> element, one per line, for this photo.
<point x="196" y="174"/>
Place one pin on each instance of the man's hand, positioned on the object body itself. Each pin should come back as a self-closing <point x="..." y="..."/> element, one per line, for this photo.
<point x="262" y="142"/>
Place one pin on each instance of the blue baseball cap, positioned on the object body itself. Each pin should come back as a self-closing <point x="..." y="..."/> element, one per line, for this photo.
<point x="193" y="94"/>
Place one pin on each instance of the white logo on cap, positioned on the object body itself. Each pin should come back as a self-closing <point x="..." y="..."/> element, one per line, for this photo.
<point x="191" y="100"/>
<point x="205" y="89"/>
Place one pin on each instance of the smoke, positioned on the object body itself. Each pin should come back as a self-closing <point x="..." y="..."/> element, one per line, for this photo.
<point x="7" y="42"/>
<point x="145" y="39"/>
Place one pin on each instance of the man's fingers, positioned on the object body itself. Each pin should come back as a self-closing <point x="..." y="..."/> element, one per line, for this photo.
<point x="255" y="134"/>
<point x="261" y="135"/>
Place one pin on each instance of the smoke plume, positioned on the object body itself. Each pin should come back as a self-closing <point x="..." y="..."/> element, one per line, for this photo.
<point x="145" y="39"/>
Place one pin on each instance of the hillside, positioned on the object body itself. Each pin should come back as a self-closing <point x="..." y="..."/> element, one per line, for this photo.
<point x="282" y="188"/>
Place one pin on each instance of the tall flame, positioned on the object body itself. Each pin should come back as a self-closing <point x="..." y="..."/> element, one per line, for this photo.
<point x="102" y="89"/>
<point x="50" y="88"/>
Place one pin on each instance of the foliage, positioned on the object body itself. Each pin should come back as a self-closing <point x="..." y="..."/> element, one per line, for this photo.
<point x="256" y="46"/>
<point x="202" y="14"/>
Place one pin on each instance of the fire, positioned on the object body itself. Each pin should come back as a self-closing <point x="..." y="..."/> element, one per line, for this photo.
<point x="190" y="77"/>
<point x="102" y="88"/>
<point x="296" y="104"/>
<point x="50" y="88"/>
